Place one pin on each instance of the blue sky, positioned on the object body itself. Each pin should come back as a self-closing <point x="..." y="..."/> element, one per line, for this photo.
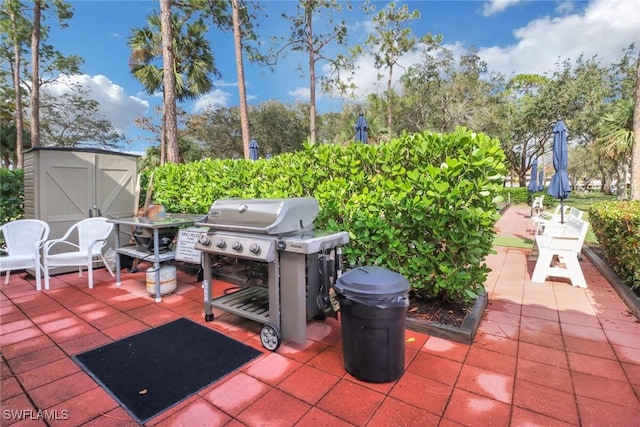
<point x="513" y="36"/>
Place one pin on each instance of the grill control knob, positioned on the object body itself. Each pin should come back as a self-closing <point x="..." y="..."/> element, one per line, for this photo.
<point x="221" y="244"/>
<point x="236" y="246"/>
<point x="204" y="240"/>
<point x="254" y="248"/>
<point x="281" y="245"/>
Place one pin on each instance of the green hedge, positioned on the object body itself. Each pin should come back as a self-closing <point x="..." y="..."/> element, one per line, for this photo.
<point x="422" y="204"/>
<point x="617" y="227"/>
<point x="521" y="195"/>
<point x="515" y="195"/>
<point x="11" y="195"/>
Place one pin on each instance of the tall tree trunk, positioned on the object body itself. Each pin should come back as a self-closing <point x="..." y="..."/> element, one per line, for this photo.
<point x="16" y="86"/>
<point x="163" y="137"/>
<point x="623" y="194"/>
<point x="312" y="75"/>
<point x="35" y="74"/>
<point x="390" y="103"/>
<point x="242" y="93"/>
<point x="169" y="82"/>
<point x="635" y="151"/>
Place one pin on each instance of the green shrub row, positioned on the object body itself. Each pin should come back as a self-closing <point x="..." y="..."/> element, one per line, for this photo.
<point x="515" y="195"/>
<point x="617" y="227"/>
<point x="423" y="204"/>
<point x="11" y="195"/>
<point x="521" y="195"/>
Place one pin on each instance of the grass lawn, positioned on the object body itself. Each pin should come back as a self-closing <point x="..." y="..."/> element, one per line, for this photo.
<point x="584" y="201"/>
<point x="513" y="242"/>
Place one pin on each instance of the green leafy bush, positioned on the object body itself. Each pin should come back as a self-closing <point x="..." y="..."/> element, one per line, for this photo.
<point x="422" y="205"/>
<point x="11" y="195"/>
<point x="617" y="227"/>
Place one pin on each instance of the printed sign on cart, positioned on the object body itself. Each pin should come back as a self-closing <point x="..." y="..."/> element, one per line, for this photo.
<point x="185" y="248"/>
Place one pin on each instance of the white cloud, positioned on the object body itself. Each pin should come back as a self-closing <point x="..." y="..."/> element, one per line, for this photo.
<point x="301" y="94"/>
<point x="216" y="98"/>
<point x="565" y="7"/>
<point x="496" y="6"/>
<point x="370" y="80"/>
<point x="115" y="104"/>
<point x="604" y="28"/>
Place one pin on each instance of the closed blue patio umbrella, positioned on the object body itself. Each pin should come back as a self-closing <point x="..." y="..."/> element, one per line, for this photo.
<point x="253" y="150"/>
<point x="533" y="182"/>
<point x="540" y="179"/>
<point x="560" y="187"/>
<point x="361" y="129"/>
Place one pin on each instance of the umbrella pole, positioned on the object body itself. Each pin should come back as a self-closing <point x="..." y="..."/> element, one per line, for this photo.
<point x="561" y="211"/>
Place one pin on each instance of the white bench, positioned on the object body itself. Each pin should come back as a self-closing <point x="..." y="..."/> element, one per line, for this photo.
<point x="558" y="250"/>
<point x="546" y="219"/>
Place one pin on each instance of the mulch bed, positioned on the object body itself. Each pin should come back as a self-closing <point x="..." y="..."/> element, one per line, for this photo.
<point x="449" y="313"/>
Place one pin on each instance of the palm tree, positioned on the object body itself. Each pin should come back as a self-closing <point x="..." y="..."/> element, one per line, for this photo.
<point x="194" y="65"/>
<point x="616" y="135"/>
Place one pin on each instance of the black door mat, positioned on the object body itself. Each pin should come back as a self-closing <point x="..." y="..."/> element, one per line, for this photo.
<point x="150" y="372"/>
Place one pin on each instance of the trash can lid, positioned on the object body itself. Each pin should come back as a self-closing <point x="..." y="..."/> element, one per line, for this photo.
<point x="372" y="281"/>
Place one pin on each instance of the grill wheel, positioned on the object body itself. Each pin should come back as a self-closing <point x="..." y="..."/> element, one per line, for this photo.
<point x="270" y="336"/>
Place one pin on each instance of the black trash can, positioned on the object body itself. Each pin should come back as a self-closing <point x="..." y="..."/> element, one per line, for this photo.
<point x="373" y="305"/>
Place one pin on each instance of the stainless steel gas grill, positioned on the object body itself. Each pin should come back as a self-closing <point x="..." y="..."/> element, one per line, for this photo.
<point x="303" y="263"/>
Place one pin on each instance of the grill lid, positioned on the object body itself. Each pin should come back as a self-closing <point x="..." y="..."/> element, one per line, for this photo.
<point x="264" y="216"/>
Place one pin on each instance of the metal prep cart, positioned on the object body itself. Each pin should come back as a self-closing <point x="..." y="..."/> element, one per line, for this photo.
<point x="155" y="225"/>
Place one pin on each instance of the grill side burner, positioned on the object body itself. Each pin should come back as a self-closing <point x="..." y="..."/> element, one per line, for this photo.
<point x="278" y="232"/>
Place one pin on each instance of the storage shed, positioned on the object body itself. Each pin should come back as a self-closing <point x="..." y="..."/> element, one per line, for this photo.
<point x="64" y="185"/>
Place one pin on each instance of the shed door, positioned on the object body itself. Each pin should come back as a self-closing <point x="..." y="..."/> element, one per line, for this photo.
<point x="68" y="188"/>
<point x="115" y="184"/>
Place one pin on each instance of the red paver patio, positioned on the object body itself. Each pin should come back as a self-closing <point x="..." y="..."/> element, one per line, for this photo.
<point x="547" y="354"/>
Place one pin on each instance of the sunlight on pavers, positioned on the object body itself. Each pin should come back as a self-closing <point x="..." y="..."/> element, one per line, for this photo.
<point x="496" y="386"/>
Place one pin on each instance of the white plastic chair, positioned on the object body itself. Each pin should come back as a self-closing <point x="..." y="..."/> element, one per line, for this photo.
<point x="23" y="239"/>
<point x="537" y="205"/>
<point x="92" y="237"/>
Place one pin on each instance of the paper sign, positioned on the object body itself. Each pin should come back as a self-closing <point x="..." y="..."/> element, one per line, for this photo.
<point x="185" y="247"/>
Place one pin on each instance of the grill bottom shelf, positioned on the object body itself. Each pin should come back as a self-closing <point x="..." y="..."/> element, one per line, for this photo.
<point x="251" y="303"/>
